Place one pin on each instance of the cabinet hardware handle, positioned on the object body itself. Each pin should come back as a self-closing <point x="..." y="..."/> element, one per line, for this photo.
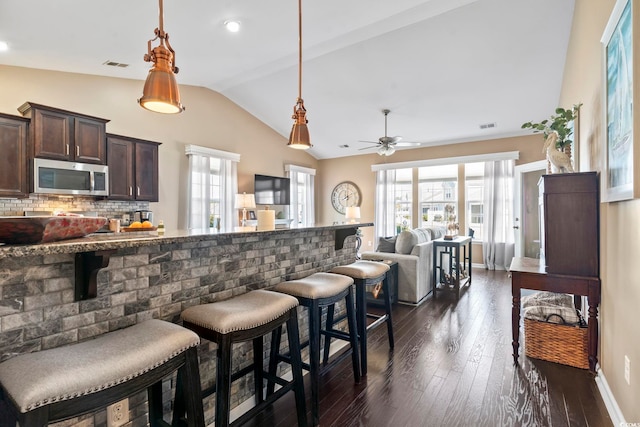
<point x="130" y="190"/>
<point x="138" y="190"/>
<point x="77" y="151"/>
<point x="67" y="149"/>
<point x="516" y="227"/>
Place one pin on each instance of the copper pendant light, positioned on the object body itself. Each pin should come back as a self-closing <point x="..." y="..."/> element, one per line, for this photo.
<point x="299" y="137"/>
<point x="160" y="93"/>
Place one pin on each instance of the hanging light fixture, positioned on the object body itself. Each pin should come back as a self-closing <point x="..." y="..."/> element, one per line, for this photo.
<point x="299" y="137"/>
<point x="160" y="93"/>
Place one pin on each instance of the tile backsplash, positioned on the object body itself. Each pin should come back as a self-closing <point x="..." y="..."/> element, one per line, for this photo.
<point x="38" y="203"/>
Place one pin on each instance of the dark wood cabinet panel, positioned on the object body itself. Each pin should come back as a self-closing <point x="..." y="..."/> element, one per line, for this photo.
<point x="146" y="171"/>
<point x="14" y="168"/>
<point x="571" y="206"/>
<point x="64" y="135"/>
<point x="133" y="168"/>
<point x="120" y="162"/>
<point x="89" y="140"/>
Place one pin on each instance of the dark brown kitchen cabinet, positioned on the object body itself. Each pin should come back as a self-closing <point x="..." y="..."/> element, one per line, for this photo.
<point x="570" y="223"/>
<point x="63" y="135"/>
<point x="133" y="168"/>
<point x="14" y="181"/>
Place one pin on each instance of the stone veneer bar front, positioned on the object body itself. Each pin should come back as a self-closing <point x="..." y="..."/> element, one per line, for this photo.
<point x="152" y="276"/>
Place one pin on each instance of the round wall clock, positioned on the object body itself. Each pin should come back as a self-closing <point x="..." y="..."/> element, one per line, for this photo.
<point x="345" y="194"/>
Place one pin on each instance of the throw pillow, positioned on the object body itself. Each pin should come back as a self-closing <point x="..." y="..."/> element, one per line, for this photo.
<point x="387" y="244"/>
<point x="405" y="242"/>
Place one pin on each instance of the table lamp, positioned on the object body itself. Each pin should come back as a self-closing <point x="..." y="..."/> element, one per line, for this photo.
<point x="244" y="201"/>
<point x="352" y="213"/>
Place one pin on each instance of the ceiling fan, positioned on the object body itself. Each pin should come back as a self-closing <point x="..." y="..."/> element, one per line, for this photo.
<point x="386" y="145"/>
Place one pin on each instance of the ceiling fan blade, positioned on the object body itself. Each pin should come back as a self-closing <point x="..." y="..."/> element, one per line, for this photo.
<point x="366" y="148"/>
<point x="395" y="139"/>
<point x="408" y="144"/>
<point x="371" y="142"/>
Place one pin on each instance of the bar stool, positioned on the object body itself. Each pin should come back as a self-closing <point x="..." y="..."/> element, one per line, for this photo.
<point x="65" y="382"/>
<point x="316" y="292"/>
<point x="365" y="273"/>
<point x="247" y="317"/>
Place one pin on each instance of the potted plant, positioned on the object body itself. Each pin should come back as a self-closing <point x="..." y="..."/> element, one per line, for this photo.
<point x="559" y="122"/>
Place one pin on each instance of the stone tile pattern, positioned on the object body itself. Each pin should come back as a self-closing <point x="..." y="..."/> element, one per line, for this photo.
<point x="37" y="308"/>
<point x="44" y="203"/>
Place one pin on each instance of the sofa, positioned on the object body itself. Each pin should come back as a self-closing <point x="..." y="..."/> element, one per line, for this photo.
<point x="413" y="251"/>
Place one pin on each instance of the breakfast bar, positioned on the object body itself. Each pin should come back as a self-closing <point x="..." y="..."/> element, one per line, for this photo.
<point x="139" y="276"/>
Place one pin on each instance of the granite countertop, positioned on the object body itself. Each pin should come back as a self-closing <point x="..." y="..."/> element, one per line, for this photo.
<point x="106" y="241"/>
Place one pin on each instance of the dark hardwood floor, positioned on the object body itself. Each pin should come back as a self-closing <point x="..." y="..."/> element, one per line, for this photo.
<point x="452" y="366"/>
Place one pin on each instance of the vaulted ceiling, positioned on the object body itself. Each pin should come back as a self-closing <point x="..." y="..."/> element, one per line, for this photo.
<point x="444" y="68"/>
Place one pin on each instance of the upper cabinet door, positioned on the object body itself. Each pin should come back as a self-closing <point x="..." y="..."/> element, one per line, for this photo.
<point x="146" y="167"/>
<point x="120" y="162"/>
<point x="51" y="135"/>
<point x="13" y="161"/>
<point x="89" y="138"/>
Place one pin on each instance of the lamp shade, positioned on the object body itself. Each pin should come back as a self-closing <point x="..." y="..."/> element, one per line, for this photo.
<point x="160" y="93"/>
<point x="352" y="213"/>
<point x="245" y="201"/>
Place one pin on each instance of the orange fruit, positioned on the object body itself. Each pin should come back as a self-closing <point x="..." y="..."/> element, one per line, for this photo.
<point x="135" y="224"/>
<point x="146" y="224"/>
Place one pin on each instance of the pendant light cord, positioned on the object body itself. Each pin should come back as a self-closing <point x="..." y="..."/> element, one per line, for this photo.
<point x="299" y="49"/>
<point x="161" y="17"/>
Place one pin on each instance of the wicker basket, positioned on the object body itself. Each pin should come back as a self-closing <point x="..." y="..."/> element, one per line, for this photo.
<point x="565" y="344"/>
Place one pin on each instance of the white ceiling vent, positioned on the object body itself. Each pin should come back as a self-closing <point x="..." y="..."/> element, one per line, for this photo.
<point x="115" y="64"/>
<point x="343" y="146"/>
<point x="488" y="125"/>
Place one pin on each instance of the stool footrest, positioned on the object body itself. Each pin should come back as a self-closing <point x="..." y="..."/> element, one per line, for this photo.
<point x="262" y="405"/>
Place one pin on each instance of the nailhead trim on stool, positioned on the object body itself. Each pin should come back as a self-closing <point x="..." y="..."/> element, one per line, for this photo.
<point x="248" y="317"/>
<point x="365" y="273"/>
<point x="65" y="382"/>
<point x="315" y="292"/>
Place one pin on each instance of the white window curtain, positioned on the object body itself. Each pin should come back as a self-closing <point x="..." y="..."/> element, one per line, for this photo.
<point x="302" y="206"/>
<point x="385" y="223"/>
<point x="499" y="243"/>
<point x="199" y="208"/>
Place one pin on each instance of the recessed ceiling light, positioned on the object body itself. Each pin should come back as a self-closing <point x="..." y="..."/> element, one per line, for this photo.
<point x="3" y="46"/>
<point x="232" y="26"/>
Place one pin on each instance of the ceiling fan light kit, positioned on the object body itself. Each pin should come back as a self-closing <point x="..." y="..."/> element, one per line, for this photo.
<point x="160" y="93"/>
<point x="387" y="144"/>
<point x="299" y="138"/>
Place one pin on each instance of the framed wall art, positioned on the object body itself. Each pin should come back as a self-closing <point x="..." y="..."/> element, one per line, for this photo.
<point x="620" y="171"/>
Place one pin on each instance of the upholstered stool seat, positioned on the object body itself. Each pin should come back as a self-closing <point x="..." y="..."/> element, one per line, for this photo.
<point x="65" y="382"/>
<point x="315" y="292"/>
<point x="248" y="317"/>
<point x="365" y="273"/>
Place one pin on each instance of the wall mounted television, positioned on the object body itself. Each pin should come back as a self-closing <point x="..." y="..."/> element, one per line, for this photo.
<point x="272" y="190"/>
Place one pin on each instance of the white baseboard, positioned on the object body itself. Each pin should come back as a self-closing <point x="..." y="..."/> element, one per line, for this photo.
<point x="609" y="401"/>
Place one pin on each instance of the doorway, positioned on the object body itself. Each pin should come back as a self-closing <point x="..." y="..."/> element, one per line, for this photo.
<point x="526" y="225"/>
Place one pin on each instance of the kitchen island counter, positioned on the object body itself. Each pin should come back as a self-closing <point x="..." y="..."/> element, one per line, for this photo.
<point x="143" y="276"/>
<point x="111" y="241"/>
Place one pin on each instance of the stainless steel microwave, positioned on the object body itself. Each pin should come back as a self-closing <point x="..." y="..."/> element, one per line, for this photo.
<point x="58" y="177"/>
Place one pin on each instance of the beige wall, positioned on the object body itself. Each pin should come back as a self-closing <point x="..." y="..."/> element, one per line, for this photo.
<point x="619" y="222"/>
<point x="358" y="170"/>
<point x="210" y="120"/>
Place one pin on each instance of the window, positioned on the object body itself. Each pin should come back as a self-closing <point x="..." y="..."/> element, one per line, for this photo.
<point x="212" y="188"/>
<point x="438" y="193"/>
<point x="394" y="201"/>
<point x="403" y="190"/>
<point x="474" y="196"/>
<point x="302" y="195"/>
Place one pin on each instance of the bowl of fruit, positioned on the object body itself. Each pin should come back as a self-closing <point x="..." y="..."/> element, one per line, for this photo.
<point x="139" y="226"/>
